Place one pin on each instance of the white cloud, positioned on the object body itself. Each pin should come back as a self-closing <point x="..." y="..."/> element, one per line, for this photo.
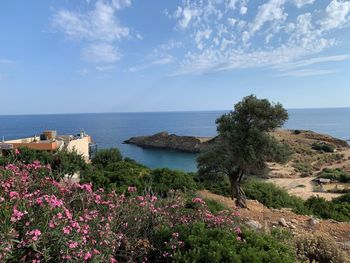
<point x="317" y="60"/>
<point x="243" y="10"/>
<point x="307" y="72"/>
<point x="272" y="10"/>
<point x="160" y="61"/>
<point x="99" y="27"/>
<point x="120" y="4"/>
<point x="104" y="68"/>
<point x="100" y="53"/>
<point x="235" y="43"/>
<point x="99" y="24"/>
<point x="337" y="15"/>
<point x="301" y="3"/>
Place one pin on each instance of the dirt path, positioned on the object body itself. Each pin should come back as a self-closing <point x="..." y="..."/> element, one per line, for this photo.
<point x="268" y="218"/>
<point x="301" y="187"/>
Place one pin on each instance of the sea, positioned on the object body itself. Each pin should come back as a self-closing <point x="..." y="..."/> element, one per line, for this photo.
<point x="111" y="129"/>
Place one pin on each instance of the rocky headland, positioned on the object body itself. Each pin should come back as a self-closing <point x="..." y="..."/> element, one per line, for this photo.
<point x="164" y="140"/>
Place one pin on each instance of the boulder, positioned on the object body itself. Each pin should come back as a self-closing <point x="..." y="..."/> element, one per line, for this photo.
<point x="254" y="225"/>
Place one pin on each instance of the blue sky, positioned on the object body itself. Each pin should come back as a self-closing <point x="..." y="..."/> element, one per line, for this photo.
<point x="137" y="55"/>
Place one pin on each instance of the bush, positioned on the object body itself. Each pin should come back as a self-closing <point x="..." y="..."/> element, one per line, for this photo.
<point x="335" y="174"/>
<point x="322" y="208"/>
<point x="273" y="196"/>
<point x="45" y="221"/>
<point x="62" y="163"/>
<point x="164" y="180"/>
<point x="323" y="147"/>
<point x="296" y="132"/>
<point x="319" y="248"/>
<point x="106" y="156"/>
<point x="304" y="168"/>
<point x="197" y="243"/>
<point x="214" y="206"/>
<point x="118" y="176"/>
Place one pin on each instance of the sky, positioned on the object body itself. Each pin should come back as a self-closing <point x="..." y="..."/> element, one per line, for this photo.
<point x="79" y="56"/>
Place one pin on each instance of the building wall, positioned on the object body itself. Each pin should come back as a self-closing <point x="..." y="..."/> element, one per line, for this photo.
<point x="81" y="146"/>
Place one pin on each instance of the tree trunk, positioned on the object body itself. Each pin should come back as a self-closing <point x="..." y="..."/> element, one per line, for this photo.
<point x="236" y="190"/>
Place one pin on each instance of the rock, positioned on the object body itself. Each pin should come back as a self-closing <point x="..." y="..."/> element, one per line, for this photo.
<point x="312" y="221"/>
<point x="282" y="222"/>
<point x="294" y="221"/>
<point x="164" y="140"/>
<point x="292" y="226"/>
<point x="254" y="225"/>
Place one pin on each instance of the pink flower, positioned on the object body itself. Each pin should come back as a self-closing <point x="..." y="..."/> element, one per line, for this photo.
<point x="17" y="215"/>
<point x="198" y="200"/>
<point x="87" y="256"/>
<point x="73" y="244"/>
<point x="36" y="233"/>
<point x="14" y="195"/>
<point x="67" y="230"/>
<point x="132" y="189"/>
<point x="17" y="152"/>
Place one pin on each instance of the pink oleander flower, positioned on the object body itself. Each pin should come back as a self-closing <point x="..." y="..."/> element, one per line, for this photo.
<point x="36" y="233"/>
<point x="73" y="244"/>
<point x="132" y="189"/>
<point x="87" y="256"/>
<point x="17" y="152"/>
<point x="14" y="195"/>
<point x="67" y="230"/>
<point x="17" y="215"/>
<point x="198" y="200"/>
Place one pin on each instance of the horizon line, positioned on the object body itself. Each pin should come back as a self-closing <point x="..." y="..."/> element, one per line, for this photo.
<point x="170" y="111"/>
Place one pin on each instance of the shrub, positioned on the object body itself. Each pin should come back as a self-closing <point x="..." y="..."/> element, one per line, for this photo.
<point x="304" y="168"/>
<point x="202" y="244"/>
<point x="273" y="196"/>
<point x="296" y="132"/>
<point x="319" y="248"/>
<point x="106" y="156"/>
<point x="214" y="206"/>
<point x="43" y="220"/>
<point x="323" y="147"/>
<point x="336" y="210"/>
<point x="335" y="174"/>
<point x="163" y="180"/>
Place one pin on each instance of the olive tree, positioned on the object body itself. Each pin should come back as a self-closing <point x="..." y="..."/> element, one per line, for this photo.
<point x="244" y="144"/>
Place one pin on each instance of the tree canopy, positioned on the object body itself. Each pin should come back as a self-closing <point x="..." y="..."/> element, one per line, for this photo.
<point x="244" y="143"/>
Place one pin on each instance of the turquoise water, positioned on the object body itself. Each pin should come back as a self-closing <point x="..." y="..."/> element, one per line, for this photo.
<point x="111" y="129"/>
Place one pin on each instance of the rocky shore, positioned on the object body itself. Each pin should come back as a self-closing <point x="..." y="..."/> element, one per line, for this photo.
<point x="164" y="140"/>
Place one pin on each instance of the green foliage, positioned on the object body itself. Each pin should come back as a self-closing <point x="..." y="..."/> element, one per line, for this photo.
<point x="296" y="132"/>
<point x="336" y="210"/>
<point x="106" y="156"/>
<point x="214" y="206"/>
<point x="319" y="248"/>
<point x="163" y="180"/>
<point x="62" y="162"/>
<point x="323" y="147"/>
<point x="244" y="143"/>
<point x="117" y="176"/>
<point x="342" y="199"/>
<point x="273" y="196"/>
<point x="304" y="168"/>
<point x="202" y="244"/>
<point x="335" y="174"/>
